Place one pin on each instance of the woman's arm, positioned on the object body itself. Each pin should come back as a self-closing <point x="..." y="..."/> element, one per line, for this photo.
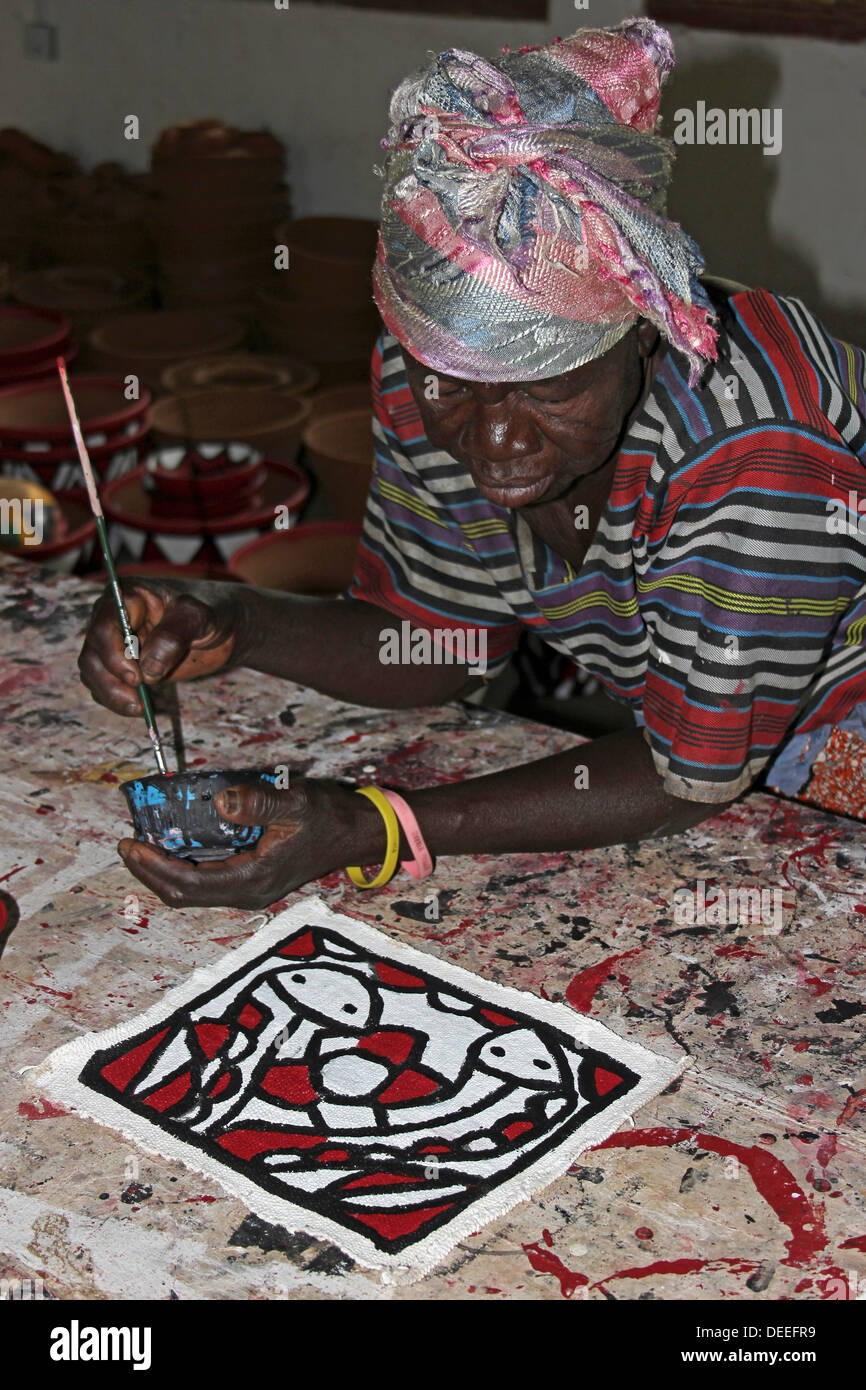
<point x="598" y="793"/>
<point x="315" y="827"/>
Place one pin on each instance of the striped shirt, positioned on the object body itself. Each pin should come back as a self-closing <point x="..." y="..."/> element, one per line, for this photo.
<point x="723" y="596"/>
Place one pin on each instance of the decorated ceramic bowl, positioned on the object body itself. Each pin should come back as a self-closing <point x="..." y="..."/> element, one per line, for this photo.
<point x="176" y="812"/>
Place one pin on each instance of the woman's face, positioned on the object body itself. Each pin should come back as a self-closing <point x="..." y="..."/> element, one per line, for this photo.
<point x="528" y="442"/>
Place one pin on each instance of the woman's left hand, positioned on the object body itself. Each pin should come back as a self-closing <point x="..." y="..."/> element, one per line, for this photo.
<point x="312" y="828"/>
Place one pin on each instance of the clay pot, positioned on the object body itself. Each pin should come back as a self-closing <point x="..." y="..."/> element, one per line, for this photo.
<point x="248" y="371"/>
<point x="330" y="260"/>
<point x="145" y="344"/>
<point x="269" y="420"/>
<point x="138" y="535"/>
<point x="73" y="550"/>
<point x="38" y="412"/>
<point x="29" y="337"/>
<point x="177" y="812"/>
<point x="85" y="294"/>
<point x="319" y="333"/>
<point x="186" y="483"/>
<point x="333" y="400"/>
<point x="123" y="246"/>
<point x="158" y="569"/>
<point x="316" y="558"/>
<point x="340" y="453"/>
<point x="60" y="468"/>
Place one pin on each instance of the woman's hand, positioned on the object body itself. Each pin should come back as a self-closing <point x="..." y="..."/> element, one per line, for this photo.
<point x="313" y="828"/>
<point x="183" y="630"/>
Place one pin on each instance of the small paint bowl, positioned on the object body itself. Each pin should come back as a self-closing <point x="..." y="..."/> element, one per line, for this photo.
<point x="177" y="813"/>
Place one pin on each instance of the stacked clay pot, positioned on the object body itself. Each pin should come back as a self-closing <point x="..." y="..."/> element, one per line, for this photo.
<point x="86" y="294"/>
<point x="320" y="307"/>
<point x="31" y="340"/>
<point x="36" y="440"/>
<point x="60" y="537"/>
<point x="28" y="171"/>
<point x="339" y="452"/>
<point x="147" y="343"/>
<point x="269" y="420"/>
<point x="219" y="194"/>
<point x="145" y="526"/>
<point x="316" y="558"/>
<point x="242" y="370"/>
<point x="100" y="218"/>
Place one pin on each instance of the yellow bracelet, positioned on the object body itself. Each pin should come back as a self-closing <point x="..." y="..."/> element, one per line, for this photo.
<point x="392" y="852"/>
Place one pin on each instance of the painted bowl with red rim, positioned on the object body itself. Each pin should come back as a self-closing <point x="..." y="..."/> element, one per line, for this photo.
<point x="213" y="479"/>
<point x="71" y="548"/>
<point x="28" y="336"/>
<point x="38" y="411"/>
<point x="138" y="533"/>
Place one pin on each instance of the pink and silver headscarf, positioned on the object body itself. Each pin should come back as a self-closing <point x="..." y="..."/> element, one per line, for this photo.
<point x="523" y="229"/>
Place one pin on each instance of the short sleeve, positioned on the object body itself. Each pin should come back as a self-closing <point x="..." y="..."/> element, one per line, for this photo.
<point x="747" y="603"/>
<point x="414" y="561"/>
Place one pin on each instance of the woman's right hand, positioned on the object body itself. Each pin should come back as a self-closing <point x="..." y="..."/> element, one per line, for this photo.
<point x="184" y="630"/>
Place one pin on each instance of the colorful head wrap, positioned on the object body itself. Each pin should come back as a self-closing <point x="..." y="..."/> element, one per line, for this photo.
<point x="523" y="229"/>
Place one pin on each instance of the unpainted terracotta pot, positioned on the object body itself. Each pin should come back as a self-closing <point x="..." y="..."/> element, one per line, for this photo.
<point x="319" y="332"/>
<point x="249" y="371"/>
<point x="84" y="293"/>
<point x="124" y="246"/>
<point x="340" y="453"/>
<point x="270" y="420"/>
<point x="316" y="558"/>
<point x="330" y="260"/>
<point x="147" y="343"/>
<point x="333" y="400"/>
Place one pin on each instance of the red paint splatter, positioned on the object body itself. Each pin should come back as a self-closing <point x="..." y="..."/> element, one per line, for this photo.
<point x="686" y="1265"/>
<point x="740" y="952"/>
<point x="49" y="1111"/>
<point x="644" y="1233"/>
<point x="203" y="1198"/>
<point x="854" y="1243"/>
<point x="402" y="753"/>
<point x="582" y="990"/>
<point x="773" y="1181"/>
<point x="855" y="1102"/>
<point x="545" y="1262"/>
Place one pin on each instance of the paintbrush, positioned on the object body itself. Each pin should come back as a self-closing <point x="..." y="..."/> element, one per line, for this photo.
<point x="129" y="638"/>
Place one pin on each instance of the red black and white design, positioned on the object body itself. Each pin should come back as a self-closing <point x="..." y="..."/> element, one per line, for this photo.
<point x="345" y="1084"/>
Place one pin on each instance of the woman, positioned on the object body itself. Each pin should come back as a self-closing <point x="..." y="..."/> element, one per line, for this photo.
<point x="571" y="438"/>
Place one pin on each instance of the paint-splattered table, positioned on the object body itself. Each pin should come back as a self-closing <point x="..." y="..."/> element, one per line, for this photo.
<point x="744" y="1180"/>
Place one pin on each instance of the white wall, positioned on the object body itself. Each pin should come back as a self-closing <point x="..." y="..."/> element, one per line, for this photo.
<point x="320" y="78"/>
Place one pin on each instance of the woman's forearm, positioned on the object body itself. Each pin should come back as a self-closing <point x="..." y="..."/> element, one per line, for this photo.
<point x="335" y="646"/>
<point x="598" y="793"/>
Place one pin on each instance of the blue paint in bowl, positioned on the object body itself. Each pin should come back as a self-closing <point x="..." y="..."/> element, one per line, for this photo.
<point x="177" y="812"/>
